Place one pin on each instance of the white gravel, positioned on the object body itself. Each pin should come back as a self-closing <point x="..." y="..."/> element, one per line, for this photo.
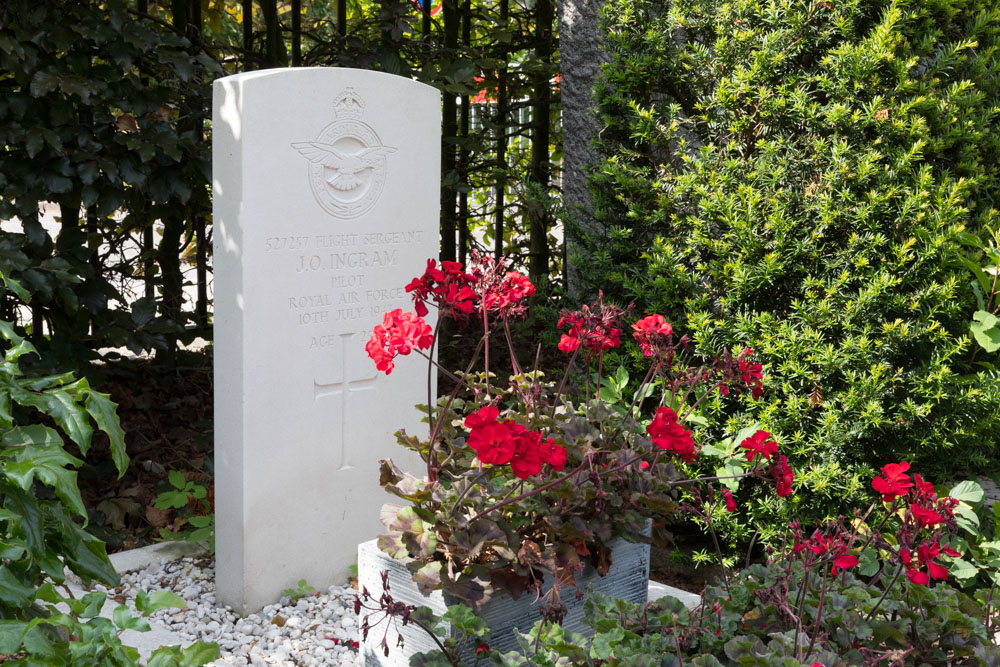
<point x="318" y="629"/>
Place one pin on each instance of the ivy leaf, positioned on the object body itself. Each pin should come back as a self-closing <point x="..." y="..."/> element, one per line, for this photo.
<point x="197" y="654"/>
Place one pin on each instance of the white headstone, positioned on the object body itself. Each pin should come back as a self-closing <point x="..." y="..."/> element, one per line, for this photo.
<point x="326" y="202"/>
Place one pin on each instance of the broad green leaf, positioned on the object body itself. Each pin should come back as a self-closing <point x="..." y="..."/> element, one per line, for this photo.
<point x="961" y="569"/>
<point x="10" y="636"/>
<point x="712" y="450"/>
<point x="71" y="417"/>
<point x="967" y="519"/>
<point x="968" y="492"/>
<point x="48" y="465"/>
<point x="13" y="591"/>
<point x="102" y="410"/>
<point x="160" y="600"/>
<point x="34" y="434"/>
<point x="730" y="468"/>
<point x="985" y="328"/>
<point x="198" y="654"/>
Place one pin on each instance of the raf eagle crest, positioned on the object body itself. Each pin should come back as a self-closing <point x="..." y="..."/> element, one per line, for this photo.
<point x="347" y="161"/>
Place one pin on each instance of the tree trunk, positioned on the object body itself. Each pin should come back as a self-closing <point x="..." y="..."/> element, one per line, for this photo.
<point x="449" y="131"/>
<point x="501" y="148"/>
<point x="274" y="45"/>
<point x="538" y="265"/>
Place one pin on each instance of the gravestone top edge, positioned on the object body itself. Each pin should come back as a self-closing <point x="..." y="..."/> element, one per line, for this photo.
<point x="302" y="71"/>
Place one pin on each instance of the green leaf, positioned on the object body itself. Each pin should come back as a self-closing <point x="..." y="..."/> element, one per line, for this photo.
<point x="985" y="328"/>
<point x="961" y="569"/>
<point x="10" y="636"/>
<point x="730" y="468"/>
<point x="177" y="480"/>
<point x="13" y="591"/>
<point x="102" y="410"/>
<point x="967" y="519"/>
<point x="72" y="418"/>
<point x="198" y="654"/>
<point x="48" y="465"/>
<point x="160" y="600"/>
<point x="35" y="434"/>
<point x="968" y="492"/>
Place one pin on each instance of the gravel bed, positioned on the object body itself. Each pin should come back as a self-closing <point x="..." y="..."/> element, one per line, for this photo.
<point x="318" y="629"/>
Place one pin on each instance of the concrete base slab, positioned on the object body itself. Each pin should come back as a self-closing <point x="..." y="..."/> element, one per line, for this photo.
<point x="658" y="590"/>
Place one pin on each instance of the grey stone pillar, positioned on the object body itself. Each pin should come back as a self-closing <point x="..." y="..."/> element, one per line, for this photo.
<point x="581" y="56"/>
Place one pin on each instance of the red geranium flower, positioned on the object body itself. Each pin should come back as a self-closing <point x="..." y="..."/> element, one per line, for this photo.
<point x="481" y="417"/>
<point x="669" y="435"/>
<point x="759" y="443"/>
<point x="925" y="517"/>
<point x="843" y="562"/>
<point x="650" y="332"/>
<point x="783" y="476"/>
<point x="751" y="373"/>
<point x="449" y="287"/>
<point x="893" y="482"/>
<point x="730" y="503"/>
<point x="399" y="333"/>
<point x="595" y="327"/>
<point x="493" y="443"/>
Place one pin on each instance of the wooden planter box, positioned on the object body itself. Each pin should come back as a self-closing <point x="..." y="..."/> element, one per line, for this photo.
<point x="628" y="579"/>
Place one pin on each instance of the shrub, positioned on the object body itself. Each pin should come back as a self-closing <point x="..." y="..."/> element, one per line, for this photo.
<point x="801" y="175"/>
<point x="42" y="533"/>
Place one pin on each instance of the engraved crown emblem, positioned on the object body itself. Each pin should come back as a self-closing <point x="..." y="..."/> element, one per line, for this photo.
<point x="348" y="105"/>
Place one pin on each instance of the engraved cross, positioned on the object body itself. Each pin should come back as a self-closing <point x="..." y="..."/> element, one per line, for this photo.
<point x="343" y="390"/>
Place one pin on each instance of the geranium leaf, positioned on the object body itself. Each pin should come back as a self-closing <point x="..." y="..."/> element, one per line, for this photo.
<point x="968" y="492"/>
<point x="428" y="577"/>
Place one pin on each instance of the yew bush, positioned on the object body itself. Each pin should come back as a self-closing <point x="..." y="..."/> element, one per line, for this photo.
<point x="800" y="176"/>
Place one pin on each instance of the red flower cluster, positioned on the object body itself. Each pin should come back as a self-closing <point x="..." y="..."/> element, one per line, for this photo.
<point x="502" y="298"/>
<point x="894" y="481"/>
<point x="399" y="333"/>
<point x="499" y="291"/>
<point x="652" y="332"/>
<point x="924" y="512"/>
<point x="759" y="443"/>
<point x="751" y="373"/>
<point x="783" y="476"/>
<point x="740" y="371"/>
<point x="449" y="287"/>
<point x="499" y="443"/>
<point x="830" y="546"/>
<point x="597" y="328"/>
<point x="927" y="553"/>
<point x="669" y="435"/>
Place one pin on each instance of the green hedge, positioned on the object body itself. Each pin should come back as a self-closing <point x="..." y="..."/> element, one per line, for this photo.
<point x="798" y="176"/>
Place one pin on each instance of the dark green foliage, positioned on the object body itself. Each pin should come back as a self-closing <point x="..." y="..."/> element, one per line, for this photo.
<point x="95" y="110"/>
<point x="41" y="526"/>
<point x="799" y="175"/>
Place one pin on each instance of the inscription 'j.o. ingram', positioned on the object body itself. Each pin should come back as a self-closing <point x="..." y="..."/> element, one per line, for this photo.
<point x="347" y="164"/>
<point x="347" y="260"/>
